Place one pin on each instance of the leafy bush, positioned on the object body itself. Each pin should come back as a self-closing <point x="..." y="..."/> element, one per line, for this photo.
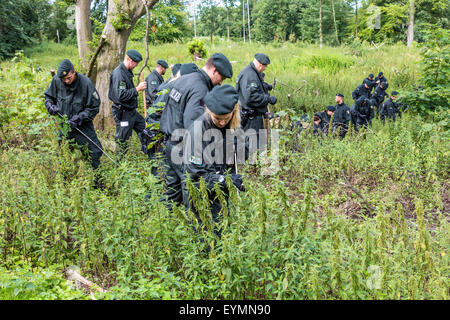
<point x="433" y="95"/>
<point x="197" y="48"/>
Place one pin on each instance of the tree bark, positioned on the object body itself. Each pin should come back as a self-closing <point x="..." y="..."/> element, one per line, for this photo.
<point x="334" y="20"/>
<point x="356" y="19"/>
<point x="410" y="37"/>
<point x="113" y="52"/>
<point x="320" y="23"/>
<point x="84" y="31"/>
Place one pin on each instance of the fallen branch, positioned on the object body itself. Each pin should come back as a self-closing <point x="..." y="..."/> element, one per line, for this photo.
<point x="349" y="185"/>
<point x="94" y="57"/>
<point x="81" y="282"/>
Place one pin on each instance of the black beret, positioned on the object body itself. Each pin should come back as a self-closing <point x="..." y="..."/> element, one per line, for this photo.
<point x="340" y="95"/>
<point x="371" y="75"/>
<point x="331" y="108"/>
<point x="64" y="68"/>
<point x="394" y="93"/>
<point x="221" y="99"/>
<point x="367" y="81"/>
<point x="175" y="68"/>
<point x="222" y="65"/>
<point x="162" y="63"/>
<point x="262" y="58"/>
<point x="380" y="73"/>
<point x="187" y="68"/>
<point x="134" y="55"/>
<point x="317" y="114"/>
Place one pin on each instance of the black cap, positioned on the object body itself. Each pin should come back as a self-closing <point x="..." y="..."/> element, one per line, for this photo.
<point x="187" y="68"/>
<point x="221" y="99"/>
<point x="64" y="68"/>
<point x="175" y="68"/>
<point x="162" y="63"/>
<point x="331" y="108"/>
<point x="380" y="73"/>
<point x="339" y="95"/>
<point x="222" y="65"/>
<point x="134" y="55"/>
<point x="394" y="93"/>
<point x="370" y="75"/>
<point x="262" y="58"/>
<point x="367" y="81"/>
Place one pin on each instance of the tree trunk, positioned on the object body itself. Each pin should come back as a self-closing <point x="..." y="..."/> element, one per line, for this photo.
<point x="334" y="20"/>
<point x="356" y="20"/>
<point x="114" y="50"/>
<point x="248" y="15"/>
<point x="410" y="38"/>
<point x="83" y="25"/>
<point x="243" y="20"/>
<point x="320" y="23"/>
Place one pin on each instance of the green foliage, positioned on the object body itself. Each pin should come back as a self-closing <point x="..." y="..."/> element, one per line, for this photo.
<point x="197" y="47"/>
<point x="434" y="97"/>
<point x="37" y="284"/>
<point x="120" y="20"/>
<point x="168" y="23"/>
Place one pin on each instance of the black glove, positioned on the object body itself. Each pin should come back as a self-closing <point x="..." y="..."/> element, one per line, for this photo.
<point x="51" y="108"/>
<point x="216" y="178"/>
<point x="75" y="121"/>
<point x="267" y="86"/>
<point x="237" y="181"/>
<point x="272" y="100"/>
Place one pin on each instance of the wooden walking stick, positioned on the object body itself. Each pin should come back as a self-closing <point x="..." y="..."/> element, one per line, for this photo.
<point x="145" y="100"/>
<point x="141" y="76"/>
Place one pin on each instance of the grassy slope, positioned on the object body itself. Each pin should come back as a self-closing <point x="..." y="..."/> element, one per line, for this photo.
<point x="300" y="234"/>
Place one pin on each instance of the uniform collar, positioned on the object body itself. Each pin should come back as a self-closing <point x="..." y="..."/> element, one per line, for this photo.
<point x="127" y="72"/>
<point x="158" y="75"/>
<point x="207" y="79"/>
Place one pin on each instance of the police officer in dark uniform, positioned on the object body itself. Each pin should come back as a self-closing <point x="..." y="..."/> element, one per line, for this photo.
<point x="254" y="97"/>
<point x="370" y="78"/>
<point x="154" y="80"/>
<point x="364" y="112"/>
<point x="184" y="105"/>
<point x="380" y="78"/>
<point x="363" y="90"/>
<point x="73" y="94"/>
<point x="341" y="116"/>
<point x="326" y="118"/>
<point x="214" y="130"/>
<point x="124" y="96"/>
<point x="389" y="108"/>
<point x="175" y="68"/>
<point x="152" y="133"/>
<point x="379" y="94"/>
<point x="318" y="124"/>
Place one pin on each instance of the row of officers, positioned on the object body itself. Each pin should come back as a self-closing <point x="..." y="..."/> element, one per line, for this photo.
<point x="191" y="95"/>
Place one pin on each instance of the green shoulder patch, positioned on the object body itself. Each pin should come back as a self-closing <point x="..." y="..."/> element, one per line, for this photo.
<point x="122" y="85"/>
